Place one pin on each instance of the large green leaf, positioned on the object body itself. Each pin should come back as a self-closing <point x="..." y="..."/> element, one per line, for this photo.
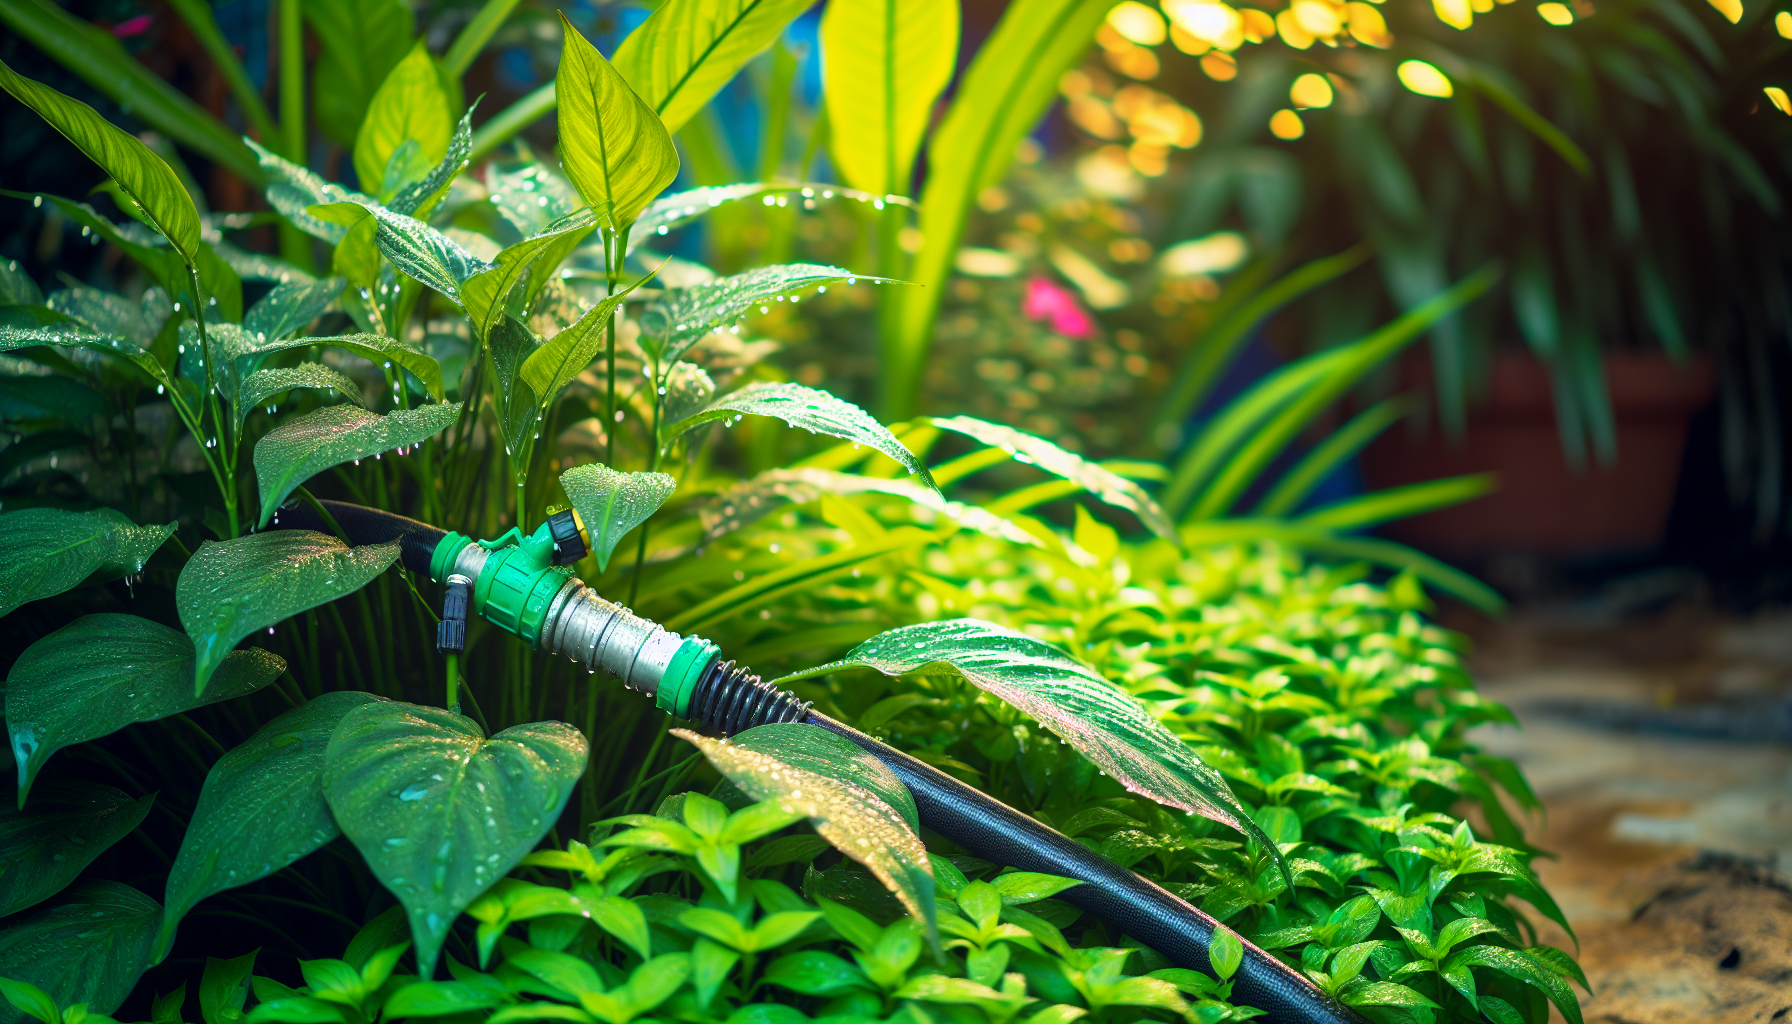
<point x="688" y="49"/>
<point x="103" y="672"/>
<point x="51" y="550"/>
<point x="304" y="446"/>
<point x="814" y="749"/>
<point x="558" y="361"/>
<point x="142" y="175"/>
<point x="70" y="823"/>
<point x="361" y="42"/>
<point x="746" y="501"/>
<point x="1105" y="484"/>
<point x="261" y="385"/>
<point x="411" y="246"/>
<point x="612" y="144"/>
<point x="237" y="353"/>
<point x="673" y="323"/>
<point x="815" y="411"/>
<point x="860" y="822"/>
<point x="886" y="63"/>
<point x="611" y="503"/>
<point x="409" y="106"/>
<point x="439" y="810"/>
<point x="261" y="809"/>
<point x="289" y="307"/>
<point x="1103" y="722"/>
<point x="90" y="946"/>
<point x="232" y="588"/>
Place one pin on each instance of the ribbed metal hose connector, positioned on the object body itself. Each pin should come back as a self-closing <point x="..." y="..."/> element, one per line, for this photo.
<point x="603" y="635"/>
<point x="730" y="699"/>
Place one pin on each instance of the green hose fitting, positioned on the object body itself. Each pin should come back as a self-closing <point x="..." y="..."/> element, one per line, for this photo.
<point x="688" y="663"/>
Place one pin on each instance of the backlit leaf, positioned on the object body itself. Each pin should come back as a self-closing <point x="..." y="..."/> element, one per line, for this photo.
<point x="814" y="749"/>
<point x="69" y="824"/>
<point x="264" y="384"/>
<point x="411" y="246"/>
<point x="750" y="499"/>
<point x="51" y="550"/>
<point x="486" y="295"/>
<point x="688" y="49"/>
<point x="887" y="61"/>
<point x="560" y="359"/>
<point x="612" y="503"/>
<point x="673" y="323"/>
<point x="89" y="946"/>
<point x="439" y="810"/>
<point x="361" y="41"/>
<point x="304" y="446"/>
<point x="293" y="190"/>
<point x="409" y="106"/>
<point x="815" y="411"/>
<point x="452" y="163"/>
<point x="612" y="144"/>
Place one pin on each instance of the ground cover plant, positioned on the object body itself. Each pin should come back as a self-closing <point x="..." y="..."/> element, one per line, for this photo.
<point x="512" y="339"/>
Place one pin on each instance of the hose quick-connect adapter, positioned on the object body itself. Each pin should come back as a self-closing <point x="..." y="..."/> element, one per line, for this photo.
<point x="520" y="584"/>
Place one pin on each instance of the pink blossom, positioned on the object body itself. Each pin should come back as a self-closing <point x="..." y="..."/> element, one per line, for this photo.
<point x="133" y="26"/>
<point x="1048" y="301"/>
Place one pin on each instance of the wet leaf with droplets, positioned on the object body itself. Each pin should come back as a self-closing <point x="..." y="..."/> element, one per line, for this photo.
<point x="89" y="946"/>
<point x="673" y="323"/>
<point x="262" y="807"/>
<point x="238" y="353"/>
<point x="232" y="588"/>
<point x="69" y="824"/>
<point x="262" y="385"/>
<point x="289" y="307"/>
<point x="750" y="499"/>
<point x="409" y="244"/>
<point x="611" y="503"/>
<point x="439" y="810"/>
<point x="815" y="411"/>
<point x="485" y="296"/>
<point x="814" y="749"/>
<point x="563" y="357"/>
<point x="103" y="672"/>
<point x="305" y="446"/>
<point x="50" y="550"/>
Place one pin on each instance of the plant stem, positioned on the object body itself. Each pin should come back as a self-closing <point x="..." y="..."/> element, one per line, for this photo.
<point x="610" y="351"/>
<point x="653" y="465"/>
<point x="453" y="682"/>
<point x="295" y="246"/>
<point x="228" y="482"/>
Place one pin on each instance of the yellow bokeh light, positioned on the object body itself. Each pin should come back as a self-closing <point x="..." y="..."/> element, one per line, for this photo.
<point x="1286" y="125"/>
<point x="1556" y="14"/>
<point x="1367" y="26"/>
<point x="1730" y="9"/>
<point x="1310" y="91"/>
<point x="1137" y="23"/>
<point x="1778" y="96"/>
<point x="1480" y="6"/>
<point x="1783" y="22"/>
<point x="1291" y="32"/>
<point x="1425" y="79"/>
<point x="1258" y="26"/>
<point x="1221" y="67"/>
<point x="1213" y="23"/>
<point x="1455" y="13"/>
<point x="1321" y="18"/>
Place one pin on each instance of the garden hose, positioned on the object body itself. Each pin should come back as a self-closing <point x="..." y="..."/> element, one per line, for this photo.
<point x="520" y="583"/>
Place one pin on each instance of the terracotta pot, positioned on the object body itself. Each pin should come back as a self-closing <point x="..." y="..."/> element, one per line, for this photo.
<point x="1542" y="506"/>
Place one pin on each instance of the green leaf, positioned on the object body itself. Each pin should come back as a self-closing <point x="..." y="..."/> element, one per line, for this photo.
<point x="887" y="62"/>
<point x="103" y="672"/>
<point x="815" y="411"/>
<point x="1225" y="951"/>
<point x="1386" y="993"/>
<point x="262" y="807"/>
<point x="289" y="307"/>
<point x="812" y="972"/>
<point x="1102" y="721"/>
<point x="860" y="823"/>
<point x="673" y="323"/>
<point x="302" y="447"/>
<point x="442" y="998"/>
<point x="1105" y="484"/>
<point x="89" y="946"/>
<point x="615" y="149"/>
<point x="1020" y="887"/>
<point x="143" y="176"/>
<point x="814" y="749"/>
<point x="409" y="106"/>
<point x="362" y="41"/>
<point x="441" y="812"/>
<point x="52" y="550"/>
<point x="624" y="919"/>
<point x="688" y="49"/>
<point x="17" y="287"/>
<point x="229" y="589"/>
<point x="381" y="349"/>
<point x="611" y="503"/>
<point x="559" y="361"/>
<point x="485" y="296"/>
<point x="1377" y="507"/>
<point x="410" y="245"/>
<point x="69" y="824"/>
<point x="264" y="384"/>
<point x="1342" y="444"/>
<point x="452" y="163"/>
<point x="224" y="988"/>
<point x="293" y="190"/>
<point x="31" y="1000"/>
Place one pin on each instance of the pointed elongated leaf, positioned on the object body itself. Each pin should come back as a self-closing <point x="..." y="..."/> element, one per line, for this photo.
<point x="1105" y="484"/>
<point x="746" y="501"/>
<point x="679" y="208"/>
<point x="688" y="49"/>
<point x="103" y="672"/>
<point x="289" y="307"/>
<point x="611" y="503"/>
<point x="237" y="353"/>
<point x="30" y="326"/>
<point x="232" y="588"/>
<point x="558" y="361"/>
<point x="814" y="749"/>
<point x="452" y="163"/>
<point x="115" y="315"/>
<point x="815" y="411"/>
<point x="511" y="344"/>
<point x="293" y="190"/>
<point x="1104" y="723"/>
<point x="1524" y="966"/>
<point x="361" y="41"/>
<point x="409" y="106"/>
<point x="886" y="63"/>
<point x="302" y="447"/>
<point x="70" y="823"/>
<point x="384" y="350"/>
<point x="89" y="946"/>
<point x="261" y="809"/>
<point x="413" y="247"/>
<point x="614" y="147"/>
<point x="439" y="810"/>
<point x="531" y="195"/>
<point x="485" y="296"/>
<point x="263" y="384"/>
<point x="859" y="822"/>
<point x="142" y="175"/>
<point x="51" y="550"/>
<point x="672" y="324"/>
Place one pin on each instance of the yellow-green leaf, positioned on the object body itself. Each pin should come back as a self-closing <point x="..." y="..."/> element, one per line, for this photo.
<point x="612" y="144"/>
<point x="689" y="49"/>
<point x="409" y="105"/>
<point x="885" y="62"/>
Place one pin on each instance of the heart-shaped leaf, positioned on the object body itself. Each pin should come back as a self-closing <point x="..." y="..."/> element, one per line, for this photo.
<point x="611" y="503"/>
<point x="261" y="385"/>
<point x="815" y="411"/>
<point x="1104" y="723"/>
<point x="439" y="810"/>
<point x="103" y="672"/>
<point x="232" y="588"/>
<point x="50" y="550"/>
<point x="750" y="499"/>
<point x="289" y="307"/>
<point x="261" y="809"/>
<point x="89" y="946"/>
<point x="304" y="446"/>
<point x="814" y="749"/>
<point x="1105" y="484"/>
<point x="70" y="823"/>
<point x="859" y="822"/>
<point x="673" y="323"/>
<point x="613" y="146"/>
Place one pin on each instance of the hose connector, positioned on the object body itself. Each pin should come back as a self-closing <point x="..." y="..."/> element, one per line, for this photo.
<point x="603" y="635"/>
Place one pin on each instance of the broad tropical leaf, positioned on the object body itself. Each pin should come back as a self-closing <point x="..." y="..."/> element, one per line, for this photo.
<point x="89" y="946"/>
<point x="439" y="810"/>
<point x="51" y="550"/>
<point x="293" y="190"/>
<point x="103" y="672"/>
<point x="886" y="62"/>
<point x="289" y="307"/>
<point x="69" y="824"/>
<point x="411" y="246"/>
<point x="815" y="411"/>
<point x="409" y="106"/>
<point x="1105" y="484"/>
<point x="261" y="809"/>
<point x="747" y="500"/>
<point x="232" y="588"/>
<point x="814" y="749"/>
<point x="612" y="503"/>
<point x="672" y="324"/>
<point x="688" y="49"/>
<point x="302" y="447"/>
<point x="361" y="42"/>
<point x="668" y="212"/>
<point x="1104" y="723"/>
<point x="859" y="822"/>
<point x="613" y="146"/>
<point x="264" y="384"/>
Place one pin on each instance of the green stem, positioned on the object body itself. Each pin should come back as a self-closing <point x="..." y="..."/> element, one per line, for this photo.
<point x="653" y="465"/>
<point x="323" y="513"/>
<point x="295" y="245"/>
<point x="610" y="278"/>
<point x="453" y="681"/>
<point x="228" y="481"/>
